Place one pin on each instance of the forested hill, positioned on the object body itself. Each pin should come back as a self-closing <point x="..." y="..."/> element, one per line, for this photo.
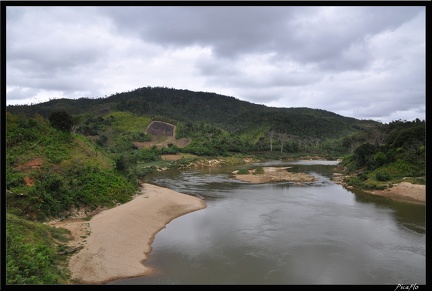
<point x="225" y="112"/>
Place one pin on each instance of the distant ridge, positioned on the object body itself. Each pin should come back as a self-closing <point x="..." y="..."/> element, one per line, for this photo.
<point x="229" y="113"/>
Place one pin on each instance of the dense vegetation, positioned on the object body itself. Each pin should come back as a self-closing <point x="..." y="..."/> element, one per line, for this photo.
<point x="241" y="118"/>
<point x="400" y="155"/>
<point x="82" y="154"/>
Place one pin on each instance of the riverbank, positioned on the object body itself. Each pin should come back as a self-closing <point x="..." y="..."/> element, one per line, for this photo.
<point x="402" y="191"/>
<point x="116" y="242"/>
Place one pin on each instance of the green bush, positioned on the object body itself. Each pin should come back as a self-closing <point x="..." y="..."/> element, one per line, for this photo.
<point x="354" y="181"/>
<point x="382" y="175"/>
<point x="362" y="176"/>
<point x="147" y="155"/>
<point x="242" y="171"/>
<point x="373" y="185"/>
<point x="259" y="170"/>
<point x="14" y="178"/>
<point x="61" y="120"/>
<point x="31" y="257"/>
<point x="380" y="159"/>
<point x="142" y="171"/>
<point x="101" y="141"/>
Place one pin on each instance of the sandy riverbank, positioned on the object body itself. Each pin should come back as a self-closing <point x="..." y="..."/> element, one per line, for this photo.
<point x="117" y="241"/>
<point x="401" y="191"/>
<point x="404" y="191"/>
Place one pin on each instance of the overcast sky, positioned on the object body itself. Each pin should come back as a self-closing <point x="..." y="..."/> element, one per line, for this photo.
<point x="363" y="62"/>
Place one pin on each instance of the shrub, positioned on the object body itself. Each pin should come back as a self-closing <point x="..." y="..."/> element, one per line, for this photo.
<point x="101" y="141"/>
<point x="30" y="254"/>
<point x="61" y="121"/>
<point x="354" y="181"/>
<point x="380" y="159"/>
<point x="362" y="176"/>
<point x="14" y="178"/>
<point x="373" y="185"/>
<point x="259" y="170"/>
<point x="382" y="176"/>
<point x="242" y="171"/>
<point x="147" y="155"/>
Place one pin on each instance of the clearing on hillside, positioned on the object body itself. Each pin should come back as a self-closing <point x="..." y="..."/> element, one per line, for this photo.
<point x="162" y="134"/>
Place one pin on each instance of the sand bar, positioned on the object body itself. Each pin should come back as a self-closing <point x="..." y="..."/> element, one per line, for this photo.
<point x="404" y="191"/>
<point x="120" y="238"/>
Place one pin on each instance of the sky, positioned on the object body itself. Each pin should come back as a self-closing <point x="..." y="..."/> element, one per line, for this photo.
<point x="366" y="62"/>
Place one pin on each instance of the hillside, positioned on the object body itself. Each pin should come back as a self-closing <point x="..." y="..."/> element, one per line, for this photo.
<point x="186" y="106"/>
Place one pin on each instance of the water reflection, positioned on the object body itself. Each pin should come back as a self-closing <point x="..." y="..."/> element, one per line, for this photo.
<point x="281" y="233"/>
<point x="409" y="215"/>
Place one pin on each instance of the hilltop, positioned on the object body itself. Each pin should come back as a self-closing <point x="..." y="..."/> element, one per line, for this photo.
<point x="205" y="123"/>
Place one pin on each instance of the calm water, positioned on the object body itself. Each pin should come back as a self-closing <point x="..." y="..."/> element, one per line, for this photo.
<point x="279" y="233"/>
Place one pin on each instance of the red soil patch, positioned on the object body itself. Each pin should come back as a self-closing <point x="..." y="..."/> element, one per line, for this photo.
<point x="29" y="181"/>
<point x="33" y="164"/>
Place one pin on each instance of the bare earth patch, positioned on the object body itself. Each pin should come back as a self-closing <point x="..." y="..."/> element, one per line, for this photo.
<point x="171" y="157"/>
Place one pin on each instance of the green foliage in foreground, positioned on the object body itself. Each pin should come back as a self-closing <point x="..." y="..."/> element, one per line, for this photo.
<point x="32" y="255"/>
<point x="71" y="172"/>
<point x="68" y="171"/>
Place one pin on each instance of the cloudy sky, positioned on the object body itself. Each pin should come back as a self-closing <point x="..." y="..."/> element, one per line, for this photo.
<point x="366" y="62"/>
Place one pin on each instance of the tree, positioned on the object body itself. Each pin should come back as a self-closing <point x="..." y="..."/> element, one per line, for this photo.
<point x="271" y="135"/>
<point x="363" y="154"/>
<point x="283" y="137"/>
<point x="61" y="120"/>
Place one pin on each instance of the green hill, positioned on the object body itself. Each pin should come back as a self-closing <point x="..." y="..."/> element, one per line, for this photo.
<point x="201" y="114"/>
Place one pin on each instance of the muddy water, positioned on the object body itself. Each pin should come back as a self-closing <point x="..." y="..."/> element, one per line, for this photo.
<point x="280" y="233"/>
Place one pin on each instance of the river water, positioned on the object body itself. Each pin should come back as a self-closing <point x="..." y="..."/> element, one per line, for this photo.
<point x="282" y="233"/>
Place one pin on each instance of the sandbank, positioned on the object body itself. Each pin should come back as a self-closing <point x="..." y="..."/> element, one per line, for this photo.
<point x="404" y="191"/>
<point x="274" y="174"/>
<point x="119" y="239"/>
<point x="401" y="191"/>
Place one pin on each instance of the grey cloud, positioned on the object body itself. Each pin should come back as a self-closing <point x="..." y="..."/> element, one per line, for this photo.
<point x="228" y="30"/>
<point x="369" y="61"/>
<point x="331" y="40"/>
<point x="213" y="68"/>
<point x="21" y="93"/>
<point x="55" y="40"/>
<point x="307" y="34"/>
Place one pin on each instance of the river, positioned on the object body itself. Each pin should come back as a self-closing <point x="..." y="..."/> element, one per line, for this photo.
<point x="282" y="233"/>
